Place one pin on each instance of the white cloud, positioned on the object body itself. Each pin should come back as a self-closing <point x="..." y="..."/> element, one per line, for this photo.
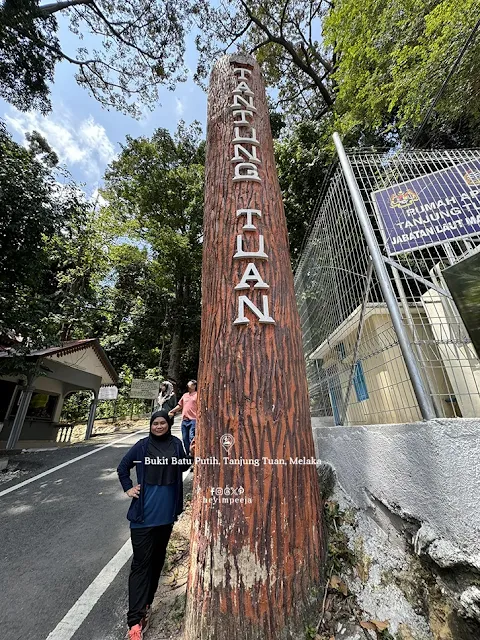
<point x="95" y="136"/>
<point x="97" y="199"/>
<point x="146" y="115"/>
<point x="83" y="143"/>
<point x="179" y="109"/>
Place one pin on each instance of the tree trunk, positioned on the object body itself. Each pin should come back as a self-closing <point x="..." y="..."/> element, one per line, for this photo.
<point x="177" y="333"/>
<point x="256" y="550"/>
<point x="175" y="353"/>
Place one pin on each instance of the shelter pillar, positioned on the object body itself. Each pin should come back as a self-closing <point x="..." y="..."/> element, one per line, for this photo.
<point x="25" y="397"/>
<point x="58" y="409"/>
<point x="91" y="416"/>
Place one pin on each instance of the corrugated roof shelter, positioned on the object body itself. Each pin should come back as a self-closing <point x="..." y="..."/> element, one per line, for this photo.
<point x="32" y="412"/>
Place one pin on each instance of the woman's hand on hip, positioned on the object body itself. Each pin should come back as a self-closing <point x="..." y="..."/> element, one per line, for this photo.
<point x="134" y="492"/>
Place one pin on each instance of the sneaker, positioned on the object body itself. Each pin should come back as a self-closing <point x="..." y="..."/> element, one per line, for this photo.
<point x="146" y="618"/>
<point x="135" y="633"/>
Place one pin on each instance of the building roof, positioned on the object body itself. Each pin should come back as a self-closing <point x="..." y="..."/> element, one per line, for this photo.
<point x="70" y="347"/>
<point x="79" y="345"/>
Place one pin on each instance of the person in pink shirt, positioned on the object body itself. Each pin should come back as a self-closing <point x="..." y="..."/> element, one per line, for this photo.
<point x="188" y="406"/>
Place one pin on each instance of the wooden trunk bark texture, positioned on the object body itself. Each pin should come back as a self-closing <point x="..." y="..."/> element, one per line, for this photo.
<point x="256" y="565"/>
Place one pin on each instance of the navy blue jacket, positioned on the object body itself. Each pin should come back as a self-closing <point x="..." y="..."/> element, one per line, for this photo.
<point x="135" y="457"/>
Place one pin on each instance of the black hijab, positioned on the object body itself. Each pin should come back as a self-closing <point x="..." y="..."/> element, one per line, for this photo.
<point x="162" y="447"/>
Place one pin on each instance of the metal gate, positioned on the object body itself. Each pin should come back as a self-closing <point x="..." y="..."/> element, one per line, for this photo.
<point x="383" y="339"/>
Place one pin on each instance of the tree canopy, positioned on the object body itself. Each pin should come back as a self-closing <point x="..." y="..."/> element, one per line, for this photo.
<point x="302" y="158"/>
<point x="155" y="190"/>
<point x="50" y="254"/>
<point x="137" y="46"/>
<point x="42" y="221"/>
<point x="127" y="273"/>
<point x="392" y="59"/>
<point x="286" y="38"/>
<point x="375" y="66"/>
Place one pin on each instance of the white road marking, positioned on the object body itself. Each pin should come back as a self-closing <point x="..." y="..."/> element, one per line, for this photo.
<point x="65" y="464"/>
<point x="74" y="618"/>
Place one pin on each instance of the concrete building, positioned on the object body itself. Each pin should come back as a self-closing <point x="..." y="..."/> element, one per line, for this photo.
<point x="364" y="319"/>
<point x="32" y="411"/>
<point x="381" y="390"/>
<point x="404" y="442"/>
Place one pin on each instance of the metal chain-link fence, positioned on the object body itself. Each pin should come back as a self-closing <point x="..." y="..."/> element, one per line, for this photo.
<point x="357" y="367"/>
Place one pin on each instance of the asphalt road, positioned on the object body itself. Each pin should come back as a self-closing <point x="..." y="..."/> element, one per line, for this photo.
<point x="56" y="535"/>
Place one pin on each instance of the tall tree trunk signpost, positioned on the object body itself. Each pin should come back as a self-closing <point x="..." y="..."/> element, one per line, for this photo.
<point x="256" y="562"/>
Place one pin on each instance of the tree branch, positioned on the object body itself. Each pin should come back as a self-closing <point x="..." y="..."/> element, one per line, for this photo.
<point x="282" y="20"/>
<point x="317" y="10"/>
<point x="282" y="101"/>
<point x="307" y="104"/>
<point x="310" y="23"/>
<point x="322" y="112"/>
<point x="288" y="46"/>
<point x="259" y="46"/>
<point x="325" y="63"/>
<point x="119" y="36"/>
<point x="91" y="65"/>
<point x="238" y="35"/>
<point x="313" y="50"/>
<point x="305" y="53"/>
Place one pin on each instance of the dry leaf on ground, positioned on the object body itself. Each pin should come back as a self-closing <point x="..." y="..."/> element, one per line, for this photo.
<point x="338" y="584"/>
<point x="381" y="625"/>
<point x="367" y="625"/>
<point x="375" y="625"/>
<point x="362" y="571"/>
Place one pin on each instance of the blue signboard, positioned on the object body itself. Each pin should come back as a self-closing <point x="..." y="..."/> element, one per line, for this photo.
<point x="430" y="210"/>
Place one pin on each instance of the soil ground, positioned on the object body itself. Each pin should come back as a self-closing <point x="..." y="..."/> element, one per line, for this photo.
<point x="169" y="605"/>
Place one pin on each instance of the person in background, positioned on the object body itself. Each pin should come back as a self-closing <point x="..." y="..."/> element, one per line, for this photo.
<point x="157" y="501"/>
<point x="188" y="407"/>
<point x="166" y="398"/>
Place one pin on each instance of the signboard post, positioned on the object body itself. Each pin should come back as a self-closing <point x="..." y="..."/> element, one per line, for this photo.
<point x="108" y="393"/>
<point x="430" y="210"/>
<point x="146" y="389"/>
<point x="256" y="550"/>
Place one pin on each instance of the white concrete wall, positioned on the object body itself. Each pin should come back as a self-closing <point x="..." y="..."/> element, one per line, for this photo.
<point x="391" y="396"/>
<point x="429" y="471"/>
<point x="460" y="362"/>
<point x="58" y="408"/>
<point x="49" y="385"/>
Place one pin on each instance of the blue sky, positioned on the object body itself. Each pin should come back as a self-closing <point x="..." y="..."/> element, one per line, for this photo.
<point x="86" y="136"/>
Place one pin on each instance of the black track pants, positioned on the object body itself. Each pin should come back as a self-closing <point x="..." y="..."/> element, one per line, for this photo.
<point x="149" y="549"/>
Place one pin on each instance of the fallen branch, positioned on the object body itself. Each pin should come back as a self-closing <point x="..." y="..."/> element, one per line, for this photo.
<point x="320" y="622"/>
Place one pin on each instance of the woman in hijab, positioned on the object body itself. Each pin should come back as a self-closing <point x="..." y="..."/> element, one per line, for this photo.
<point x="157" y="500"/>
<point x="166" y="399"/>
